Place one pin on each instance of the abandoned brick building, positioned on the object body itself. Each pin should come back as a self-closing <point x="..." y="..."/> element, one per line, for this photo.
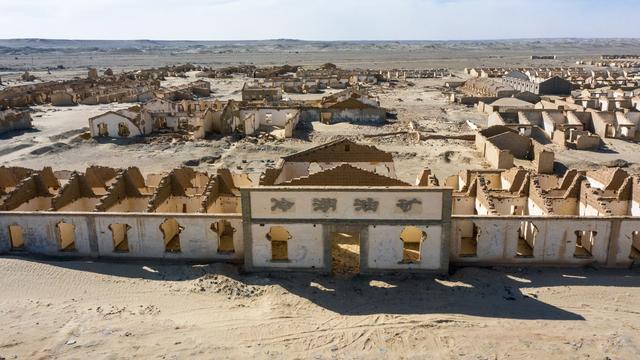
<point x="319" y="209"/>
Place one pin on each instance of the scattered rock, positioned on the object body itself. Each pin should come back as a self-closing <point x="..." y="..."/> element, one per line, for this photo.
<point x="226" y="286"/>
<point x="194" y="162"/>
<point x="446" y="156"/>
<point x="617" y="163"/>
<point x="204" y="159"/>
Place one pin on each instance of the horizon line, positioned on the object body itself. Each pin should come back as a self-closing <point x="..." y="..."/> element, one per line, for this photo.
<point x="337" y="40"/>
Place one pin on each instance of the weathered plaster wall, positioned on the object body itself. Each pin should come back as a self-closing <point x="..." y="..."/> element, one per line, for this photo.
<point x="305" y="248"/>
<point x="112" y="120"/>
<point x="94" y="238"/>
<point x="385" y="248"/>
<point x="555" y="243"/>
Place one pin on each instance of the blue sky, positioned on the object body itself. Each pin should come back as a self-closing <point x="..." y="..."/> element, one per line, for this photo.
<point x="318" y="19"/>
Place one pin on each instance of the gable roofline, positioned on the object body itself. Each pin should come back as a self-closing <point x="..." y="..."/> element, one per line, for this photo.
<point x="345" y="175"/>
<point x="381" y="156"/>
<point x="112" y="112"/>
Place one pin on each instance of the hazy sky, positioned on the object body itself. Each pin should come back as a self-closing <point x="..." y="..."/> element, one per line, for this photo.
<point x="318" y="19"/>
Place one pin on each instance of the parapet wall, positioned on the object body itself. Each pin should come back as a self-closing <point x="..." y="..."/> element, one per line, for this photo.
<point x="553" y="242"/>
<point x="93" y="237"/>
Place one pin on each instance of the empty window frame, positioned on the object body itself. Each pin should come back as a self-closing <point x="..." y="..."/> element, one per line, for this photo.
<point x="527" y="234"/>
<point x="279" y="238"/>
<point x="171" y="230"/>
<point x="584" y="243"/>
<point x="103" y="130"/>
<point x="161" y="123"/>
<point x="66" y="236"/>
<point x="412" y="239"/>
<point x="123" y="130"/>
<point x="119" y="233"/>
<point x="16" y="237"/>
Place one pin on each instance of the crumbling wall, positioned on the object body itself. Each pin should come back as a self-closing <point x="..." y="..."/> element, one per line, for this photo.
<point x="543" y="158"/>
<point x="12" y="120"/>
<point x="358" y="116"/>
<point x="127" y="193"/>
<point x="586" y="141"/>
<point x="463" y="205"/>
<point x="75" y="195"/>
<point x="33" y="193"/>
<point x="499" y="159"/>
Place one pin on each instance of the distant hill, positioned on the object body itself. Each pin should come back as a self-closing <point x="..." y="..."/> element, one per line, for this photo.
<point x="26" y="46"/>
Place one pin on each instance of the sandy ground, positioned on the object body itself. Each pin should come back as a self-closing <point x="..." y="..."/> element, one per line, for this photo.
<point x="79" y="310"/>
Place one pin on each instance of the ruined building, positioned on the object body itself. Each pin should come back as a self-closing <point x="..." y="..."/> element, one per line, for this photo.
<point x="323" y="207"/>
<point x="12" y="120"/>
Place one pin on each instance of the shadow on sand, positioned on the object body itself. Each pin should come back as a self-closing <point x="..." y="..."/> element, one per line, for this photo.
<point x="13" y="133"/>
<point x="498" y="293"/>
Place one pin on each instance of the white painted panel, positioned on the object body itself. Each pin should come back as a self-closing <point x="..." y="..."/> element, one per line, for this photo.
<point x="300" y="205"/>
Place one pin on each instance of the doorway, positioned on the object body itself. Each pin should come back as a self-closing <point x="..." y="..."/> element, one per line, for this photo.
<point x="345" y="254"/>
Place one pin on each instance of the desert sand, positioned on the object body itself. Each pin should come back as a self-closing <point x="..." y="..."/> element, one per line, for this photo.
<point x="86" y="309"/>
